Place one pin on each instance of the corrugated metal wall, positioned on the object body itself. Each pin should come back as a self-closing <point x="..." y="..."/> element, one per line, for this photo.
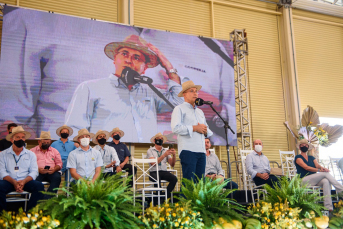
<point x="319" y="50"/>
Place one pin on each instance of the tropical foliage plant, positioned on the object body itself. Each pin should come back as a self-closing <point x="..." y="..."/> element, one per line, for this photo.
<point x="209" y="198"/>
<point x="106" y="203"/>
<point x="298" y="194"/>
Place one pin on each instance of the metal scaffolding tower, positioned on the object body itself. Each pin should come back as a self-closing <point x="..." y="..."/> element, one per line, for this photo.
<point x="240" y="49"/>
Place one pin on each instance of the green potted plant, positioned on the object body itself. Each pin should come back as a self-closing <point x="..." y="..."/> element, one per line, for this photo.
<point x="106" y="203"/>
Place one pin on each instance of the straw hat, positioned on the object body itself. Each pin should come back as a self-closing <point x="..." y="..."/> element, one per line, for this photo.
<point x="58" y="131"/>
<point x="302" y="141"/>
<point x="133" y="42"/>
<point x="17" y="130"/>
<point x="82" y="132"/>
<point x="95" y="140"/>
<point x="44" y="135"/>
<point x="158" y="135"/>
<point x="121" y="133"/>
<point x="187" y="85"/>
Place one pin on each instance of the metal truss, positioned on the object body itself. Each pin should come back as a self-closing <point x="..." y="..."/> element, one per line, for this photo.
<point x="240" y="49"/>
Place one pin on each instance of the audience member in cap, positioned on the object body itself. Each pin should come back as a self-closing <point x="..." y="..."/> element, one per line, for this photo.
<point x="189" y="123"/>
<point x="163" y="156"/>
<point x="49" y="162"/>
<point x="18" y="169"/>
<point x="4" y="144"/>
<point x="108" y="153"/>
<point x="213" y="168"/>
<point x="84" y="162"/>
<point x="122" y="151"/>
<point x="64" y="146"/>
<point x="314" y="174"/>
<point x="117" y="99"/>
<point x="258" y="166"/>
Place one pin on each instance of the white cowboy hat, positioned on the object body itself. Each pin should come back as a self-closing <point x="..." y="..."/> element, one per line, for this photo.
<point x="95" y="140"/>
<point x="121" y="133"/>
<point x="82" y="132"/>
<point x="17" y="130"/>
<point x="187" y="85"/>
<point x="152" y="140"/>
<point x="58" y="131"/>
<point x="304" y="141"/>
<point x="44" y="135"/>
<point x="133" y="42"/>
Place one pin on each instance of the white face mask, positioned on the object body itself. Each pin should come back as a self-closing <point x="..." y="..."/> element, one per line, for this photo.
<point x="258" y="148"/>
<point x="84" y="142"/>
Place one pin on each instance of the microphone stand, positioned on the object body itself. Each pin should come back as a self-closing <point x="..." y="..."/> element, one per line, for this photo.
<point x="226" y="126"/>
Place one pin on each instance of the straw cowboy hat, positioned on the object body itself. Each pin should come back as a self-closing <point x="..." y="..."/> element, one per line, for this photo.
<point x="187" y="85"/>
<point x="17" y="130"/>
<point x="58" y="131"/>
<point x="121" y="133"/>
<point x="44" y="135"/>
<point x="302" y="141"/>
<point x="158" y="135"/>
<point x="133" y="42"/>
<point x="82" y="132"/>
<point x="95" y="140"/>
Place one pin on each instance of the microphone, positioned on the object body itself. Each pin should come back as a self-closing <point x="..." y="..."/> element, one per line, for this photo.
<point x="199" y="102"/>
<point x="131" y="77"/>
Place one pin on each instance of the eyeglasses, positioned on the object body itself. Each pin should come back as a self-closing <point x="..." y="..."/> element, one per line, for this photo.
<point x="192" y="91"/>
<point x="134" y="57"/>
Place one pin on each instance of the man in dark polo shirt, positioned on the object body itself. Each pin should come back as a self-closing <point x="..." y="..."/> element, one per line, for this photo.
<point x="122" y="151"/>
<point x="4" y="144"/>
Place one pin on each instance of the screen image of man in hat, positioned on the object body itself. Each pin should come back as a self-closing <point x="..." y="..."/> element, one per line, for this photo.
<point x="108" y="102"/>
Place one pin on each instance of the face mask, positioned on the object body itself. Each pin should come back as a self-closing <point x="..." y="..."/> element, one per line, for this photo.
<point x="102" y="141"/>
<point x="116" y="137"/>
<point x="45" y="146"/>
<point x="9" y="132"/>
<point x="20" y="143"/>
<point x="64" y="135"/>
<point x="258" y="148"/>
<point x="304" y="149"/>
<point x="84" y="142"/>
<point x="158" y="142"/>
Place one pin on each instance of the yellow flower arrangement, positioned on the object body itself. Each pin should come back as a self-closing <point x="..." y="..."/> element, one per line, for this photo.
<point x="169" y="216"/>
<point x="279" y="215"/>
<point x="9" y="220"/>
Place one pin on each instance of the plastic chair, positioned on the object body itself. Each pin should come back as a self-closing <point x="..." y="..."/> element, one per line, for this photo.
<point x="149" y="186"/>
<point x="283" y="155"/>
<point x="248" y="183"/>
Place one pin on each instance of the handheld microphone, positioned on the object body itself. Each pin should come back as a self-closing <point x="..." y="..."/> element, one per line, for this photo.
<point x="199" y="102"/>
<point x="130" y="77"/>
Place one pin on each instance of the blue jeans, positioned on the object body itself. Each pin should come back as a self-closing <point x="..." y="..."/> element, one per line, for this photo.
<point x="54" y="180"/>
<point x="192" y="164"/>
<point x="34" y="187"/>
<point x="234" y="186"/>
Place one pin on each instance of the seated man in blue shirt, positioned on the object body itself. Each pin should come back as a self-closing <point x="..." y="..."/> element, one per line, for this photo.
<point x="213" y="168"/>
<point x="64" y="146"/>
<point x="108" y="153"/>
<point x="84" y="162"/>
<point x="163" y="155"/>
<point x="19" y="169"/>
<point x="122" y="152"/>
<point x="258" y="167"/>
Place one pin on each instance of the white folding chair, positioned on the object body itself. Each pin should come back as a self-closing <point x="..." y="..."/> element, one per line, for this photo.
<point x="15" y="197"/>
<point x="335" y="170"/>
<point x="283" y="155"/>
<point x="150" y="184"/>
<point x="240" y="174"/>
<point x="248" y="183"/>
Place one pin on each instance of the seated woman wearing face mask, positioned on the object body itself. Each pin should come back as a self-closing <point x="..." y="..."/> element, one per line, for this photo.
<point x="314" y="174"/>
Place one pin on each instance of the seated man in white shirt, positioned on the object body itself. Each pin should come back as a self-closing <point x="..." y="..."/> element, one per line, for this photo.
<point x="163" y="155"/>
<point x="108" y="153"/>
<point x="213" y="168"/>
<point x="84" y="162"/>
<point x="258" y="167"/>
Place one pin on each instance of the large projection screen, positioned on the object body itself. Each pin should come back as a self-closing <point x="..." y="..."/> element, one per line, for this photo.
<point x="58" y="69"/>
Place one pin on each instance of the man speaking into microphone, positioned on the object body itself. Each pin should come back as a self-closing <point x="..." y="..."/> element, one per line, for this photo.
<point x="189" y="123"/>
<point x="123" y="100"/>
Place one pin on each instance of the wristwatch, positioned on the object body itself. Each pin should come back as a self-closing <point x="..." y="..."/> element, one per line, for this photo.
<point x="173" y="70"/>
